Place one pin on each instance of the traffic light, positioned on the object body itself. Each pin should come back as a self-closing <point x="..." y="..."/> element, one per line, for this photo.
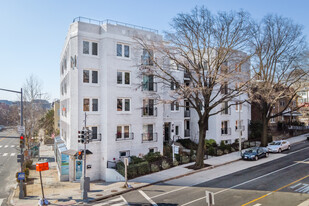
<point x="81" y="136"/>
<point x="22" y="141"/>
<point x="89" y="135"/>
<point x="80" y="155"/>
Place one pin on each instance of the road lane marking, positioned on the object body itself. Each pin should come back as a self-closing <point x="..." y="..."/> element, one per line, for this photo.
<point x="12" y="145"/>
<point x="275" y="190"/>
<point x="294" y="186"/>
<point x="1" y="146"/>
<point x="12" y="154"/>
<point x="246" y="182"/>
<point x="5" y="154"/>
<point x="112" y="202"/>
<point x="172" y="191"/>
<point x="258" y="204"/>
<point x="6" y="146"/>
<point x="147" y="198"/>
<point x="126" y="202"/>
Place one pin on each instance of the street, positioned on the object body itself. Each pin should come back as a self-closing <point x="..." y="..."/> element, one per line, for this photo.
<point x="283" y="181"/>
<point x="9" y="148"/>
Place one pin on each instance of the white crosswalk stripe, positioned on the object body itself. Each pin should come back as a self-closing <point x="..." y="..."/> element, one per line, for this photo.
<point x="5" y="154"/>
<point x="1" y="146"/>
<point x="114" y="202"/>
<point x="1" y="200"/>
<point x="6" y="146"/>
<point x="12" y="145"/>
<point x="12" y="154"/>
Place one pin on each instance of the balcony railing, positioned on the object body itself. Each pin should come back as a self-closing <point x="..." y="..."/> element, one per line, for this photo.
<point x="146" y="61"/>
<point x="226" y="111"/>
<point x="187" y="133"/>
<point x="124" y="136"/>
<point x="149" y="111"/>
<point x="149" y="86"/>
<point x="187" y="113"/>
<point x="225" y="131"/>
<point x="149" y="137"/>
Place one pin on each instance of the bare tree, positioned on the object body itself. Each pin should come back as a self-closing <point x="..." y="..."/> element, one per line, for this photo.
<point x="205" y="47"/>
<point x="33" y="107"/>
<point x="278" y="65"/>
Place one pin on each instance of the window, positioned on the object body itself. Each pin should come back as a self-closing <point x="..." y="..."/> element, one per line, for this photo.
<point x="86" y="76"/>
<point x="94" y="105"/>
<point x="94" y="132"/>
<point x="225" y="108"/>
<point x="176" y="130"/>
<point x="85" y="47"/>
<point x="148" y="132"/>
<point x="148" y="107"/>
<point x="238" y="124"/>
<point x="224" y="129"/>
<point x="94" y="77"/>
<point x="175" y="106"/>
<point x="123" y="132"/>
<point x="94" y="48"/>
<point x="147" y="57"/>
<point x="123" y="105"/>
<point x="224" y="88"/>
<point x="123" y="78"/>
<point x="282" y="102"/>
<point x="123" y="50"/>
<point x="153" y="150"/>
<point x="148" y="83"/>
<point x="86" y="105"/>
<point x="124" y="153"/>
<point x="238" y="106"/>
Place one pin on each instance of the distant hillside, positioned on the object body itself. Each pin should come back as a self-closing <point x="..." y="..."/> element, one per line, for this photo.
<point x="6" y="102"/>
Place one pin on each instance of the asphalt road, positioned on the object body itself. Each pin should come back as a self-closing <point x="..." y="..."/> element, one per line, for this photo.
<point x="9" y="148"/>
<point x="282" y="182"/>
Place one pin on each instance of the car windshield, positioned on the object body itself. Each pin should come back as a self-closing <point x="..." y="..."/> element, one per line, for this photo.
<point x="275" y="143"/>
<point x="251" y="150"/>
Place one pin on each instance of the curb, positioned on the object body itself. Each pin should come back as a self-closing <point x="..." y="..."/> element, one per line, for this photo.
<point x="161" y="181"/>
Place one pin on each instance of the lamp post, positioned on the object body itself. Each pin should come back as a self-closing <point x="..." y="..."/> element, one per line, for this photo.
<point x="21" y="189"/>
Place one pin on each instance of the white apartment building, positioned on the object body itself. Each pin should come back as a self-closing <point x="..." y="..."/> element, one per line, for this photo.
<point x="100" y="78"/>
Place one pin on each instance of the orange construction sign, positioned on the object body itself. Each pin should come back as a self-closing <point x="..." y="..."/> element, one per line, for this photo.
<point x="42" y="166"/>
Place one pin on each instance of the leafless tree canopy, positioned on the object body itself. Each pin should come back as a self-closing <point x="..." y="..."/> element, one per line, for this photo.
<point x="207" y="48"/>
<point x="279" y="65"/>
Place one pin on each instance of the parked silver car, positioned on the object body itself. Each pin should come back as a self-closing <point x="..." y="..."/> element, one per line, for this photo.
<point x="278" y="146"/>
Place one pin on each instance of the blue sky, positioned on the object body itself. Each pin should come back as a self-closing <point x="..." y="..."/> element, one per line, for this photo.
<point x="33" y="31"/>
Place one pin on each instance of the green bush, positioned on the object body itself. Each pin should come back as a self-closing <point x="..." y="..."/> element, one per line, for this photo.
<point x="167" y="151"/>
<point x="185" y="159"/>
<point x="210" y="143"/>
<point x="153" y="157"/>
<point x="120" y="168"/>
<point x="136" y="160"/>
<point x="154" y="168"/>
<point x="193" y="158"/>
<point x="211" y="151"/>
<point x="175" y="163"/>
<point x="142" y="168"/>
<point x="187" y="143"/>
<point x="132" y="171"/>
<point x="165" y="165"/>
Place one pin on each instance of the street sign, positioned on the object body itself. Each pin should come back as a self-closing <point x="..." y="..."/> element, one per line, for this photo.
<point x="176" y="149"/>
<point x="20" y="157"/>
<point x="21" y="176"/>
<point x="210" y="198"/>
<point x="42" y="166"/>
<point x="21" y="129"/>
<point x="126" y="161"/>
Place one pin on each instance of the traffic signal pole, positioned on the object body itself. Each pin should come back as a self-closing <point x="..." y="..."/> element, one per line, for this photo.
<point x="84" y="191"/>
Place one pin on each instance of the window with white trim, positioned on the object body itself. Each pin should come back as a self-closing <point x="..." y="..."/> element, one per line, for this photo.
<point x="123" y="50"/>
<point x="90" y="76"/>
<point x="90" y="46"/>
<point x="93" y="102"/>
<point x="238" y="106"/>
<point x="124" y="153"/>
<point x="123" y="78"/>
<point x="123" y="105"/>
<point x="175" y="106"/>
<point x="123" y="132"/>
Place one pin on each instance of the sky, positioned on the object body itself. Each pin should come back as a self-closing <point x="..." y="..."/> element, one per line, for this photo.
<point x="33" y="31"/>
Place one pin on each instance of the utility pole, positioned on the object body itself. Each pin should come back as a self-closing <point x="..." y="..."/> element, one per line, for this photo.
<point x="21" y="189"/>
<point x="239" y="127"/>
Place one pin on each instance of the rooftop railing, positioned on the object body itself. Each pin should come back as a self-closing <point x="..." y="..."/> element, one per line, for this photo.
<point x="113" y="22"/>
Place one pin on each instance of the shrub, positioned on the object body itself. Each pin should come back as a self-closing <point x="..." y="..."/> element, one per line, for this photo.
<point x="136" y="160"/>
<point x="226" y="151"/>
<point x="185" y="159"/>
<point x="120" y="168"/>
<point x="154" y="168"/>
<point x="175" y="163"/>
<point x="132" y="171"/>
<point x="142" y="168"/>
<point x="165" y="165"/>
<point x="28" y="163"/>
<point x="188" y="143"/>
<point x="211" y="151"/>
<point x="167" y="151"/>
<point x="222" y="145"/>
<point x="219" y="152"/>
<point x="232" y="149"/>
<point x="193" y="157"/>
<point x="210" y="143"/>
<point x="153" y="157"/>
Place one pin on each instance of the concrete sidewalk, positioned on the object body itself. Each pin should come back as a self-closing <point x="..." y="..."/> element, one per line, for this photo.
<point x="68" y="193"/>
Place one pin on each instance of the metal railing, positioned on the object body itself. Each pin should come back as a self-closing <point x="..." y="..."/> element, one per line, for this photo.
<point x="225" y="131"/>
<point x="149" y="137"/>
<point x="187" y="133"/>
<point x="149" y="111"/>
<point x="149" y="86"/>
<point x="298" y="127"/>
<point x="242" y="128"/>
<point x="187" y="113"/>
<point x="113" y="22"/>
<point x="98" y="138"/>
<point x="124" y="136"/>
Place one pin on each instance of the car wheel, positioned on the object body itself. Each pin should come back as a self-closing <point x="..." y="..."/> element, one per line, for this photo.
<point x="279" y="150"/>
<point x="289" y="147"/>
<point x="256" y="158"/>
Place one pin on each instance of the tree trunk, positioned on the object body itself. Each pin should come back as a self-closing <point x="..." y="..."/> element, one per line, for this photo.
<point x="264" y="139"/>
<point x="199" y="163"/>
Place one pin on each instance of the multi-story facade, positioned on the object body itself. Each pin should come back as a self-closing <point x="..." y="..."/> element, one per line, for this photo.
<point x="56" y="108"/>
<point x="102" y="89"/>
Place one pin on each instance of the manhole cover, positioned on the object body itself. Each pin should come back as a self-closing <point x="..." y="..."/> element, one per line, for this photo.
<point x="99" y="195"/>
<point x="114" y="191"/>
